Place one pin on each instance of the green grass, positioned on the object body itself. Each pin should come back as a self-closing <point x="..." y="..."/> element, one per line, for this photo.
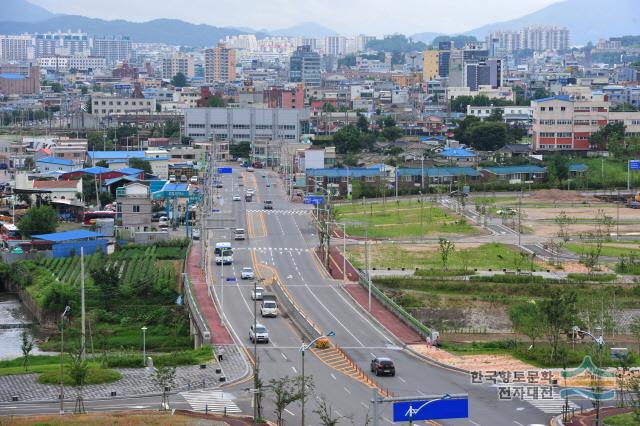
<point x="487" y="256"/>
<point x="493" y="200"/>
<point x="37" y="364"/>
<point x="95" y="376"/>
<point x="627" y="419"/>
<point x="615" y="172"/>
<point x="607" y="251"/>
<point x="401" y="219"/>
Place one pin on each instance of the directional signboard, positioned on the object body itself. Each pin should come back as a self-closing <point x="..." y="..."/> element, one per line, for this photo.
<point x="634" y="164"/>
<point x="224" y="170"/>
<point x="314" y="199"/>
<point x="433" y="409"/>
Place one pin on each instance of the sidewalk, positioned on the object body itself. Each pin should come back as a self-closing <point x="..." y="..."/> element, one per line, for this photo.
<point x="219" y="333"/>
<point x="589" y="419"/>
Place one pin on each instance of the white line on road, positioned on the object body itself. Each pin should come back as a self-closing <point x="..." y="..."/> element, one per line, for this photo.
<point x="334" y="376"/>
<point x="364" y="405"/>
<point x="289" y="412"/>
<point x="337" y="413"/>
<point x="284" y="356"/>
<point x="387" y="419"/>
<point x="402" y="380"/>
<point x="294" y="369"/>
<point x="474" y="423"/>
<point x="518" y="423"/>
<point x="346" y="390"/>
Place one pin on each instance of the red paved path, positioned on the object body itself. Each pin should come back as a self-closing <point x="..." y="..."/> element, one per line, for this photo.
<point x="391" y="322"/>
<point x="219" y="333"/>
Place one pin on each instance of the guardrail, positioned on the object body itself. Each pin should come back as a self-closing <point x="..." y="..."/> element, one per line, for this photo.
<point x="306" y="325"/>
<point x="396" y="309"/>
<point x="193" y="306"/>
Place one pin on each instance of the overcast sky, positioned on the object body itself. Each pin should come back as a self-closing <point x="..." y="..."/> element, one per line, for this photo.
<point x="376" y="17"/>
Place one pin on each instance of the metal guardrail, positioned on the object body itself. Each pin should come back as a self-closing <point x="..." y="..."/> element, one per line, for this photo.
<point x="202" y="324"/>
<point x="307" y="326"/>
<point x="396" y="309"/>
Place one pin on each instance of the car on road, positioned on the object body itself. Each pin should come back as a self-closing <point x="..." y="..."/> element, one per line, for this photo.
<point x="507" y="211"/>
<point x="195" y="233"/>
<point x="248" y="197"/>
<point x="268" y="184"/>
<point x="251" y="169"/>
<point x="251" y="191"/>
<point x="269" y="307"/>
<point x="383" y="366"/>
<point x="219" y="184"/>
<point x="163" y="222"/>
<point x="268" y="205"/>
<point x="247" y="273"/>
<point x="633" y="205"/>
<point x="259" y="334"/>
<point x="239" y="234"/>
<point x="172" y="178"/>
<point x="256" y="294"/>
<point x="458" y="194"/>
<point x="237" y="197"/>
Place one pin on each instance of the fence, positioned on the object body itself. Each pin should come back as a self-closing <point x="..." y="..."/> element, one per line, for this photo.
<point x="193" y="307"/>
<point x="305" y="324"/>
<point x="396" y="309"/>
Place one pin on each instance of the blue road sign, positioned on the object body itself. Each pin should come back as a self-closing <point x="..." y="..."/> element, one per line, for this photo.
<point x="634" y="164"/>
<point x="224" y="170"/>
<point x="230" y="280"/>
<point x="433" y="409"/>
<point x="314" y="199"/>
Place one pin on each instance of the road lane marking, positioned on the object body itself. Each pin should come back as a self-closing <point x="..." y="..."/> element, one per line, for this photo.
<point x="474" y="423"/>
<point x="289" y="412"/>
<point x="294" y="369"/>
<point x="518" y="423"/>
<point x="402" y="380"/>
<point x="364" y="405"/>
<point x="334" y="376"/>
<point x="284" y="356"/>
<point x="347" y="390"/>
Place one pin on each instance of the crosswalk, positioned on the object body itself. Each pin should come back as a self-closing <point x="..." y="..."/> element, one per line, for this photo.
<point x="551" y="406"/>
<point x="278" y="249"/>
<point x="210" y="400"/>
<point x="281" y="212"/>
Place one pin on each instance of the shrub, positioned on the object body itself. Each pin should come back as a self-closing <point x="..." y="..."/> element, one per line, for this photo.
<point x="443" y="273"/>
<point x="323" y="343"/>
<point x="95" y="376"/>
<point x="592" y="277"/>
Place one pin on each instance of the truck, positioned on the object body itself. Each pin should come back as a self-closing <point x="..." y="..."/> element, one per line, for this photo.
<point x="269" y="306"/>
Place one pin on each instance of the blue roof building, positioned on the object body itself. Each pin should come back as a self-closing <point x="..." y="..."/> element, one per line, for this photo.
<point x="69" y="243"/>
<point x="53" y="164"/>
<point x="114" y="155"/>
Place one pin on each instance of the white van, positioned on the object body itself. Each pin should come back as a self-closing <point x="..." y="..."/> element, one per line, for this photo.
<point x="239" y="234"/>
<point x="194" y="179"/>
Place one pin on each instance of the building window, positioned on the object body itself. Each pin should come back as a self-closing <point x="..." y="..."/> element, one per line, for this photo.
<point x="136" y="209"/>
<point x="563" y="108"/>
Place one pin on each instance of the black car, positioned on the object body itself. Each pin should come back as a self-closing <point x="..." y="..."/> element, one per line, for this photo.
<point x="383" y="366"/>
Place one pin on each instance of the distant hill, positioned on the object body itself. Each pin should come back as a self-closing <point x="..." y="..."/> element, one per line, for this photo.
<point x="426" y="38"/>
<point x="169" y="31"/>
<point x="23" y="11"/>
<point x="305" y="29"/>
<point x="587" y="20"/>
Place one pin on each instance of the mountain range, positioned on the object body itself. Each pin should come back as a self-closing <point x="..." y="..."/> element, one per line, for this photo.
<point x="587" y="20"/>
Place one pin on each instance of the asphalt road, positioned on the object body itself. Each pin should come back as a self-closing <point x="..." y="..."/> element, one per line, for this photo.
<point x="283" y="239"/>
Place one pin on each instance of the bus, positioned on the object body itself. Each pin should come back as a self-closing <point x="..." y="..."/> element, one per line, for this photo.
<point x="89" y="218"/>
<point x="9" y="231"/>
<point x="223" y="254"/>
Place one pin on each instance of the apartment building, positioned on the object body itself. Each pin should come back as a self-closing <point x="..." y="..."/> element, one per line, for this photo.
<point x="65" y="63"/>
<point x="134" y="207"/>
<point x="16" y="48"/>
<point x="536" y="37"/>
<point x="179" y="62"/>
<point x="61" y="43"/>
<point x="246" y="124"/>
<point x="304" y="67"/>
<point x="102" y="106"/>
<point x="219" y="64"/>
<point x="113" y="49"/>
<point x="561" y="123"/>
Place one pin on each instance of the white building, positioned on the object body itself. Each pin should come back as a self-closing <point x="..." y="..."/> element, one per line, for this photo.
<point x="65" y="63"/>
<point x="113" y="49"/>
<point x="102" y="106"/>
<point x="16" y="48"/>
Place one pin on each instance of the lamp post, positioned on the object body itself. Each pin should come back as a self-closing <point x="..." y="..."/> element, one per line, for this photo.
<point x="599" y="340"/>
<point x="64" y="314"/>
<point x="144" y="345"/>
<point x="303" y="349"/>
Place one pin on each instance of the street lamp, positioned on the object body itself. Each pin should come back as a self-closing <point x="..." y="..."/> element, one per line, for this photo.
<point x="303" y="349"/>
<point x="144" y="345"/>
<point x="64" y="314"/>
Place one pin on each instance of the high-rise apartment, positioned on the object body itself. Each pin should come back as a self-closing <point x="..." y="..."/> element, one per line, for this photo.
<point x="113" y="49"/>
<point x="219" y="64"/>
<point x="304" y="67"/>
<point x="16" y="48"/>
<point x="176" y="63"/>
<point x="536" y="37"/>
<point x="61" y="43"/>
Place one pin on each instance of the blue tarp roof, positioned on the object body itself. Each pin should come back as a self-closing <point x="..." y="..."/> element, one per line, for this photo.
<point x="113" y="155"/>
<point x="130" y="170"/>
<point x="12" y="76"/>
<point x="96" y="170"/>
<point x="53" y="160"/>
<point x="508" y="170"/>
<point x="78" y="234"/>
<point x="555" y="98"/>
<point x="438" y="171"/>
<point x="176" y="187"/>
<point x="120" y="178"/>
<point x="351" y="172"/>
<point x="457" y="152"/>
<point x="123" y="160"/>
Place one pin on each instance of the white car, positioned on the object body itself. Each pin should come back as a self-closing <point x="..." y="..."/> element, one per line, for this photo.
<point x="237" y="197"/>
<point x="250" y="169"/>
<point x="247" y="274"/>
<point x="257" y="293"/>
<point x="195" y="233"/>
<point x="260" y="334"/>
<point x="251" y="191"/>
<point x="194" y="179"/>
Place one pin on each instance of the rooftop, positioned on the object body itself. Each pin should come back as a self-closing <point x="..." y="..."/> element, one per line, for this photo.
<point x="79" y="234"/>
<point x="112" y="155"/>
<point x="507" y="170"/>
<point x="350" y="172"/>
<point x="555" y="98"/>
<point x="457" y="152"/>
<point x="53" y="160"/>
<point x="55" y="184"/>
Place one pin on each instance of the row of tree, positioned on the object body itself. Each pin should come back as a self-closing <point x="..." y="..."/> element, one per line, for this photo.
<point x="352" y="139"/>
<point x="490" y="134"/>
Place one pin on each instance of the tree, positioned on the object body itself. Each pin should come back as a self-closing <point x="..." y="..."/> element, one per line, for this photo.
<point x="108" y="283"/>
<point x="559" y="313"/>
<point x="347" y="139"/>
<point x="463" y="125"/>
<point x="84" y="90"/>
<point x="634" y="328"/>
<point x="26" y="346"/>
<point x="496" y="115"/>
<point x="388" y="121"/>
<point x="102" y="163"/>
<point x="325" y="413"/>
<point x="78" y="373"/>
<point x="179" y="80"/>
<point x="328" y="107"/>
<point x="216" y="101"/>
<point x="486" y="136"/>
<point x="142" y="164"/>
<point x="362" y="124"/>
<point x="240" y="150"/>
<point x="165" y="378"/>
<point x="604" y="134"/>
<point x="38" y="220"/>
<point x="446" y="248"/>
<point x="285" y="391"/>
<point x="563" y="221"/>
<point x="57" y="87"/>
<point x="527" y="319"/>
<point x="558" y="168"/>
<point x="392" y="133"/>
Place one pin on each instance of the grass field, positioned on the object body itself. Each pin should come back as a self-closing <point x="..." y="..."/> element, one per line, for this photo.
<point x="487" y="256"/>
<point x="109" y="419"/>
<point x="408" y="219"/>
<point x="607" y="250"/>
<point x="627" y="419"/>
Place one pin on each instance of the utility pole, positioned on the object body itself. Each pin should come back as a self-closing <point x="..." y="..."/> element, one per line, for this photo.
<point x="255" y="354"/>
<point x="83" y="353"/>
